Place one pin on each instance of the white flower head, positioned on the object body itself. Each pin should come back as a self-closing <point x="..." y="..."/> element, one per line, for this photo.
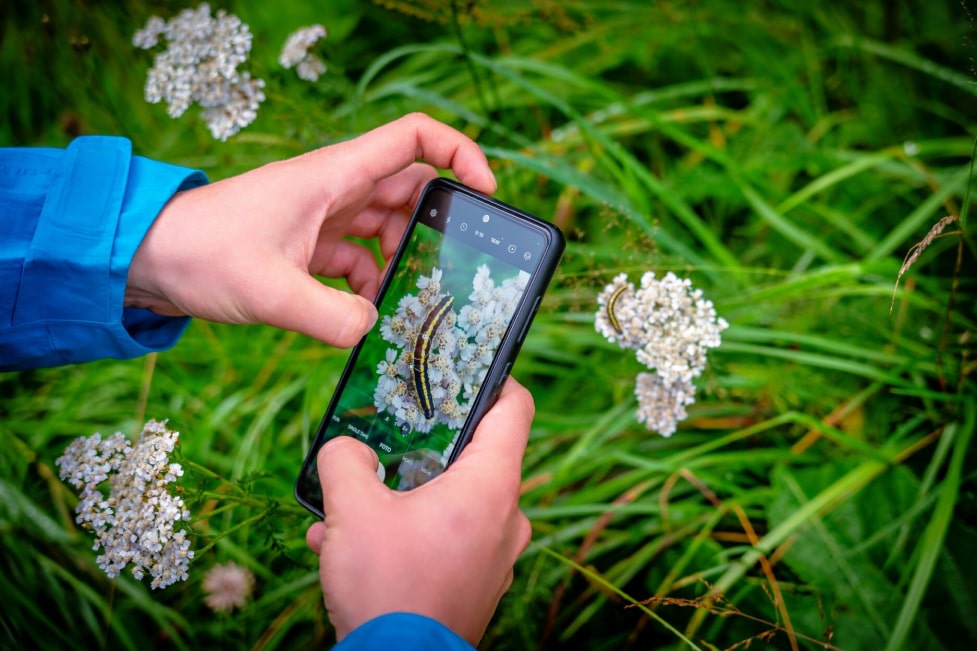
<point x="671" y="327"/>
<point x="227" y="586"/>
<point x="296" y="54"/>
<point x="148" y="36"/>
<point x="200" y="65"/>
<point x="138" y="521"/>
<point x="661" y="405"/>
<point x="667" y="322"/>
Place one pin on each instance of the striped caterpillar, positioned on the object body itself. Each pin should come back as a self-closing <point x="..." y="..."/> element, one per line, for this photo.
<point x="423" y="345"/>
<point x="611" y="305"/>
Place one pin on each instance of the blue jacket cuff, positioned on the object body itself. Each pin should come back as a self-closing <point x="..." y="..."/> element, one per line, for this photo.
<point x="403" y="632"/>
<point x="99" y="204"/>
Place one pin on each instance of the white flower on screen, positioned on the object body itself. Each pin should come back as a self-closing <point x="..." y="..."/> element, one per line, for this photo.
<point x="138" y="521"/>
<point x="455" y="355"/>
<point x="418" y="318"/>
<point x="483" y="323"/>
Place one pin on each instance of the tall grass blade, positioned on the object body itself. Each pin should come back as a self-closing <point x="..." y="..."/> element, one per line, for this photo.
<point x="931" y="543"/>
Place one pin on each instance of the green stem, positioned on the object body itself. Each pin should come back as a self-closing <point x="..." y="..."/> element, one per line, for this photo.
<point x="476" y="79"/>
<point x="227" y="532"/>
<point x="604" y="583"/>
<point x="931" y="544"/>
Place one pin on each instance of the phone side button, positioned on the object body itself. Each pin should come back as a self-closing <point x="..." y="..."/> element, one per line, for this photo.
<point x="525" y="326"/>
<point x="505" y="374"/>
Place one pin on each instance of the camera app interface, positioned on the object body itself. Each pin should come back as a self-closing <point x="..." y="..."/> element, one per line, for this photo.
<point x="441" y="320"/>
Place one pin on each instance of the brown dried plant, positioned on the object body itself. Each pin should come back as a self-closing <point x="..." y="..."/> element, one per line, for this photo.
<point x="917" y="250"/>
<point x="716" y="603"/>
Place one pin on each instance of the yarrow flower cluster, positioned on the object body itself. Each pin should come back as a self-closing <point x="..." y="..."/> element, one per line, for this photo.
<point x="460" y="351"/>
<point x="200" y="65"/>
<point x="227" y="586"/>
<point x="138" y="520"/>
<point x="671" y="327"/>
<point x="295" y="52"/>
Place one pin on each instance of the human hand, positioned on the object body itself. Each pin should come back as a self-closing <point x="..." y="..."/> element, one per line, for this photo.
<point x="445" y="549"/>
<point x="246" y="249"/>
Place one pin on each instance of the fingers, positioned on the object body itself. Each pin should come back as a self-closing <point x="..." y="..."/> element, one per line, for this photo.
<point x="349" y="260"/>
<point x="347" y="474"/>
<point x="390" y="206"/>
<point x="294" y="300"/>
<point x="388" y="149"/>
<point x="491" y="464"/>
<point x="399" y="192"/>
<point x="435" y="143"/>
<point x="501" y="437"/>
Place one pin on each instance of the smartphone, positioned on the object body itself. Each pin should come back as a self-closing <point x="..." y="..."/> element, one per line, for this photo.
<point x="454" y="308"/>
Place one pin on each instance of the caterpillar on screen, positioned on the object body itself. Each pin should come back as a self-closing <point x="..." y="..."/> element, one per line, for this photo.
<point x="422" y="353"/>
<point x="611" y="305"/>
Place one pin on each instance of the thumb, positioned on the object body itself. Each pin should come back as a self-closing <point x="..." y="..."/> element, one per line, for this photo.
<point x="347" y="473"/>
<point x="315" y="536"/>
<point x="305" y="305"/>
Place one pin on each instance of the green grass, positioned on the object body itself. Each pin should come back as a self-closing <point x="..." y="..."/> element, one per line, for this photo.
<point x="785" y="158"/>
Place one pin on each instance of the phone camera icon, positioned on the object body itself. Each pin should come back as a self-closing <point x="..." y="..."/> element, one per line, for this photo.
<point x="527" y="256"/>
<point x="485" y="219"/>
<point x="434" y="212"/>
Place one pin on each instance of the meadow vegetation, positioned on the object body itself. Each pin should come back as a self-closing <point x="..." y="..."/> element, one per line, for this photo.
<point x="786" y="157"/>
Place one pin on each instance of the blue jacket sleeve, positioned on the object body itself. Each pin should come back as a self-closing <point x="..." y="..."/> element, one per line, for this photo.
<point x="70" y="222"/>
<point x="403" y="632"/>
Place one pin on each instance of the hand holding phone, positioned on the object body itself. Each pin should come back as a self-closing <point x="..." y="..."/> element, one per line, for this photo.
<point x="245" y="249"/>
<point x="454" y="309"/>
<point x="445" y="550"/>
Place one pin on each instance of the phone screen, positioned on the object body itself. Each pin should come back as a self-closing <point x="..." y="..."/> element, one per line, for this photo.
<point x="465" y="270"/>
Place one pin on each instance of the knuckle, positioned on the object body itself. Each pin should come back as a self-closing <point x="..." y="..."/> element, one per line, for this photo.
<point x="341" y="446"/>
<point x="416" y="116"/>
<point x="524" y="531"/>
<point x="523" y="397"/>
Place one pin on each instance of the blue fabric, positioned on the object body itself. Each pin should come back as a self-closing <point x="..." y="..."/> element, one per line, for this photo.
<point x="403" y="632"/>
<point x="70" y="222"/>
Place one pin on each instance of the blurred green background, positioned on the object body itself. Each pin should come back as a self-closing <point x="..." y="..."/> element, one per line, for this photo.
<point x="784" y="156"/>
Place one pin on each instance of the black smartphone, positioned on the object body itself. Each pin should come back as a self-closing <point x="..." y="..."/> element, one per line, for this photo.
<point x="454" y="307"/>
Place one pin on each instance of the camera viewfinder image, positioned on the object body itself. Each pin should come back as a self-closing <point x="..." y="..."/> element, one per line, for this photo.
<point x="441" y="321"/>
